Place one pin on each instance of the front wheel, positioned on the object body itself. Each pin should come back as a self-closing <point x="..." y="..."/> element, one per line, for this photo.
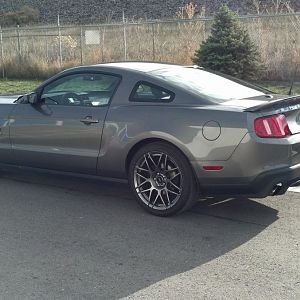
<point x="162" y="180"/>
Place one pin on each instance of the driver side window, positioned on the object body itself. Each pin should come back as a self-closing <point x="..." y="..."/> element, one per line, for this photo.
<point x="81" y="90"/>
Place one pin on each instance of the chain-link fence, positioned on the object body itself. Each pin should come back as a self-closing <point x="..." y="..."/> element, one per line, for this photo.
<point x="42" y="51"/>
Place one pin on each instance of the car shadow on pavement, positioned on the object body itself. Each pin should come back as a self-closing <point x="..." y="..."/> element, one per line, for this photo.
<point x="70" y="238"/>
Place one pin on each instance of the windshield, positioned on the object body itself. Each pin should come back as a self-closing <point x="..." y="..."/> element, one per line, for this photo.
<point x="208" y="85"/>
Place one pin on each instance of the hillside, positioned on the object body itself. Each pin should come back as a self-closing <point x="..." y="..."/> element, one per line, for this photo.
<point x="92" y="11"/>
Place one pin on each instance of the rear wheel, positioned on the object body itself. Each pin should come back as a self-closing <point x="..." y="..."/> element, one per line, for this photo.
<point x="162" y="180"/>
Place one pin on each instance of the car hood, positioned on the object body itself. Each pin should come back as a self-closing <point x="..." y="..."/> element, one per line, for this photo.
<point x="8" y="99"/>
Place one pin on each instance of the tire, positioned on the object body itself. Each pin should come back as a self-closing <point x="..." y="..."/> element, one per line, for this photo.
<point x="162" y="180"/>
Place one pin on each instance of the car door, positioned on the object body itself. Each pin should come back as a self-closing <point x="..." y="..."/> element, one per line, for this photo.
<point x="63" y="130"/>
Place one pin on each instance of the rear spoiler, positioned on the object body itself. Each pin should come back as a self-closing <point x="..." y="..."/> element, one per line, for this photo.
<point x="281" y="105"/>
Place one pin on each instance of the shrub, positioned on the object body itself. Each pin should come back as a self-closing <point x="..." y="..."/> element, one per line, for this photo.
<point x="229" y="48"/>
<point x="24" y="16"/>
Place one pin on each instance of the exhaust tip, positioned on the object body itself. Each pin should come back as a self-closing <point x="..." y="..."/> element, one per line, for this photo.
<point x="276" y="189"/>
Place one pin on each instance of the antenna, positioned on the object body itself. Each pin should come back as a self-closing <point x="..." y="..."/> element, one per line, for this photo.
<point x="293" y="79"/>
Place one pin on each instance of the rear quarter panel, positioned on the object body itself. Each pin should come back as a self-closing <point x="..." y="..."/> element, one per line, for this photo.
<point x="126" y="125"/>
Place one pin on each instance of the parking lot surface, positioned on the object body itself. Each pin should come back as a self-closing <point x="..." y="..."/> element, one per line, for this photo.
<point x="71" y="238"/>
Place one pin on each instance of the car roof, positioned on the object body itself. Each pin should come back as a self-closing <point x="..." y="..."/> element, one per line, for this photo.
<point x="136" y="67"/>
<point x="145" y="67"/>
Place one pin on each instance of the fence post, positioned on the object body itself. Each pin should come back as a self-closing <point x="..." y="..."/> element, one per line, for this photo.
<point x="125" y="37"/>
<point x="2" y="52"/>
<point x="153" y="42"/>
<point x="19" y="43"/>
<point x="81" y="45"/>
<point x="47" y="50"/>
<point x="100" y="45"/>
<point x="204" y="30"/>
<point x="59" y="42"/>
<point x="103" y="40"/>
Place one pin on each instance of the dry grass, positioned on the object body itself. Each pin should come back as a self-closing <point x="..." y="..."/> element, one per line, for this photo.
<point x="277" y="37"/>
<point x="26" y="67"/>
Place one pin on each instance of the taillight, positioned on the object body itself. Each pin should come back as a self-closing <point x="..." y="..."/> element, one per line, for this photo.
<point x="272" y="127"/>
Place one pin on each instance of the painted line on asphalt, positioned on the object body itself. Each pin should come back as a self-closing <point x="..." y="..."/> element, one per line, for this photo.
<point x="294" y="189"/>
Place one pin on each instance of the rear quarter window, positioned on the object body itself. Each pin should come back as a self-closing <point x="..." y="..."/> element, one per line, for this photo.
<point x="148" y="92"/>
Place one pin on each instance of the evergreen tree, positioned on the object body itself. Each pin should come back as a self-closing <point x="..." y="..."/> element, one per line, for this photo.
<point x="229" y="48"/>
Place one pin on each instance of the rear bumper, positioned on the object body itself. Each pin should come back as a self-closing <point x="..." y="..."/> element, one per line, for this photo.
<point x="275" y="182"/>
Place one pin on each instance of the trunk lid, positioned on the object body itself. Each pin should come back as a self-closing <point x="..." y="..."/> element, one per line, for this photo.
<point x="272" y="105"/>
<point x="279" y="104"/>
<point x="289" y="106"/>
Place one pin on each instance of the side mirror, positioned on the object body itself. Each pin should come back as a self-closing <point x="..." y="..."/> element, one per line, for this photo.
<point x="32" y="98"/>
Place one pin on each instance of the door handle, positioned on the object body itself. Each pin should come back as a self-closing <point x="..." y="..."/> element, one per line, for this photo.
<point x="89" y="120"/>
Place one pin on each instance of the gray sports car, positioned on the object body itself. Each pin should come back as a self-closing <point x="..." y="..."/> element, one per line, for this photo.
<point x="174" y="132"/>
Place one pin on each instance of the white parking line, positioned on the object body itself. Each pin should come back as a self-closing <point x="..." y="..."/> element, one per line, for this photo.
<point x="294" y="189"/>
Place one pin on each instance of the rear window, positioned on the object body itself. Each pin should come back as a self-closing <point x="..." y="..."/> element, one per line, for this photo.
<point x="208" y="85"/>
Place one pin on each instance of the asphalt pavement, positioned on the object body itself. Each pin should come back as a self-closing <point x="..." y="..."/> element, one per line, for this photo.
<point x="71" y="238"/>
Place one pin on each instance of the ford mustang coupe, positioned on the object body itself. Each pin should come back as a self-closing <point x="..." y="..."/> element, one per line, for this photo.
<point x="174" y="132"/>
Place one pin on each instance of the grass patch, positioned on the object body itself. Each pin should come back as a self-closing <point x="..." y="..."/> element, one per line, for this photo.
<point x="280" y="87"/>
<point x="16" y="87"/>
